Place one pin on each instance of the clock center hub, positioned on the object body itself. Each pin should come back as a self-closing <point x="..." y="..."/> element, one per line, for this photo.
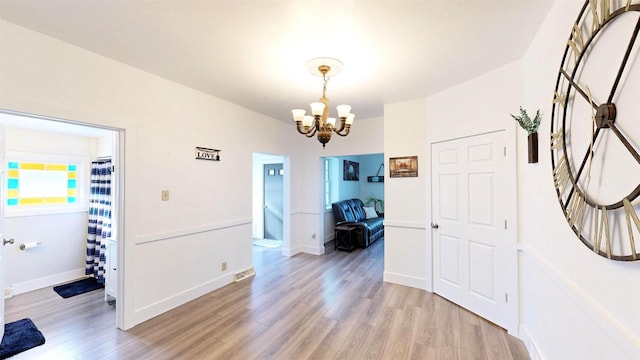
<point x="605" y="115"/>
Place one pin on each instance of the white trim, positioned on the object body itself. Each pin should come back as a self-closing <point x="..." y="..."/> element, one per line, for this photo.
<point x="312" y="250"/>
<point x="147" y="238"/>
<point x="405" y="224"/>
<point x="152" y="310"/>
<point x="306" y="212"/>
<point x="406" y="280"/>
<point x="54" y="210"/>
<point x="289" y="252"/>
<point x="43" y="282"/>
<point x="529" y="343"/>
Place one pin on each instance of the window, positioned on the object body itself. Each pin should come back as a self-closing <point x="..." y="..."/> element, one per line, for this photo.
<point x="43" y="187"/>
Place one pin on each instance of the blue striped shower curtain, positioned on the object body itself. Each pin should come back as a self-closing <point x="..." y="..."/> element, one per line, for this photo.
<point x="99" y="219"/>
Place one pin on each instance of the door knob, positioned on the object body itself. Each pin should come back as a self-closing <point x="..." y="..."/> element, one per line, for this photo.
<point x="434" y="226"/>
<point x="5" y="241"/>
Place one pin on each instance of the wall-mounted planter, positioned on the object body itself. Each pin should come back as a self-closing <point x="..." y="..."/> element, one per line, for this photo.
<point x="531" y="127"/>
<point x="533" y="147"/>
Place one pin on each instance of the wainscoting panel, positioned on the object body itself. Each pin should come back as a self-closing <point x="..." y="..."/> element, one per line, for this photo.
<point x="558" y="320"/>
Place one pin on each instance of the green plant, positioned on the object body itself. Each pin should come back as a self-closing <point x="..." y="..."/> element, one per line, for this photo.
<point x="531" y="126"/>
<point x="372" y="199"/>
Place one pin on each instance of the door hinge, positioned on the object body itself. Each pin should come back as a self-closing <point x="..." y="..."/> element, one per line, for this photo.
<point x="505" y="224"/>
<point x="506" y="298"/>
<point x="505" y="150"/>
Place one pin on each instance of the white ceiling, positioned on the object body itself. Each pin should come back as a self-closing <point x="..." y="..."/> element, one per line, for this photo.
<point x="253" y="53"/>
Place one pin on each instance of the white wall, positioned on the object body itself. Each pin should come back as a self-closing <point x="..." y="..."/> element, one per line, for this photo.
<point x="172" y="250"/>
<point x="407" y="248"/>
<point x="573" y="304"/>
<point x="61" y="255"/>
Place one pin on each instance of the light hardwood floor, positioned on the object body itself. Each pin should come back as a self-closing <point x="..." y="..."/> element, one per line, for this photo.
<point x="333" y="306"/>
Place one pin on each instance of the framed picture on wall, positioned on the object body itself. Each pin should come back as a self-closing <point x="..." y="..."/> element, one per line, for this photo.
<point x="351" y="171"/>
<point x="406" y="166"/>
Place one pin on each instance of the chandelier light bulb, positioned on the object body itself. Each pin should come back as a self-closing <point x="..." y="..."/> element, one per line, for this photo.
<point x="317" y="108"/>
<point x="331" y="121"/>
<point x="350" y="118"/>
<point x="298" y="114"/>
<point x="343" y="110"/>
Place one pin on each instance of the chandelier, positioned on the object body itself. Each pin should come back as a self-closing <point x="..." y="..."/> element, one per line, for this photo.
<point x="319" y="121"/>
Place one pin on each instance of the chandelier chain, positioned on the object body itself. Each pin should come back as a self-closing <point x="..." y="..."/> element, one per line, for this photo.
<point x="324" y="87"/>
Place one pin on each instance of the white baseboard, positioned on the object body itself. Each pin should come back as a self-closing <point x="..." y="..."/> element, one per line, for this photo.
<point x="530" y="343"/>
<point x="290" y="251"/>
<point x="43" y="282"/>
<point x="147" y="312"/>
<point x="312" y="250"/>
<point x="401" y="279"/>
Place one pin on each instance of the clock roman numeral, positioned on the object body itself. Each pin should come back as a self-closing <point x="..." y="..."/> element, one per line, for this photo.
<point x="561" y="175"/>
<point x="630" y="213"/>
<point x="575" y="210"/>
<point x="601" y="225"/>
<point x="559" y="98"/>
<point x="600" y="13"/>
<point x="576" y="42"/>
<point x="556" y="139"/>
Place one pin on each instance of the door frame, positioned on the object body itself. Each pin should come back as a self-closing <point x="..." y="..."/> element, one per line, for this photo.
<point x="510" y="146"/>
<point x="258" y="161"/>
<point x="118" y="157"/>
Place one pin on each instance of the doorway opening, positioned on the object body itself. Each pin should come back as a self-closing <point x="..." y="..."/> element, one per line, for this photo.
<point x="350" y="177"/>
<point x="35" y="139"/>
<point x="271" y="211"/>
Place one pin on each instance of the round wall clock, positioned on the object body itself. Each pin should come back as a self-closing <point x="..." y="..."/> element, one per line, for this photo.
<point x="595" y="129"/>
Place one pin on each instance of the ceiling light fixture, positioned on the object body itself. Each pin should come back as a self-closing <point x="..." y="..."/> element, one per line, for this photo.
<point x="319" y="121"/>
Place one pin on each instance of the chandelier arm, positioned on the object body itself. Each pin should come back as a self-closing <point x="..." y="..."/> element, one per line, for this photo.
<point x="312" y="132"/>
<point x="342" y="124"/>
<point x="345" y="132"/>
<point x="302" y="131"/>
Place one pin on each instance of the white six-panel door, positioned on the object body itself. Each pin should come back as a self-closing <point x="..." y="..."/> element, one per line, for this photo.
<point x="473" y="256"/>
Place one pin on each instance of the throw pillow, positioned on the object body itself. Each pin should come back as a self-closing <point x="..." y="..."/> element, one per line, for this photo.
<point x="370" y="212"/>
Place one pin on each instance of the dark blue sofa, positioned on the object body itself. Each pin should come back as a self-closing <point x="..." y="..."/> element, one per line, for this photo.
<point x="351" y="211"/>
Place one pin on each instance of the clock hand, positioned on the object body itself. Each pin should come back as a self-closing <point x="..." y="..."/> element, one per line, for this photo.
<point x="588" y="155"/>
<point x="578" y="88"/>
<point x="624" y="140"/>
<point x="624" y="61"/>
